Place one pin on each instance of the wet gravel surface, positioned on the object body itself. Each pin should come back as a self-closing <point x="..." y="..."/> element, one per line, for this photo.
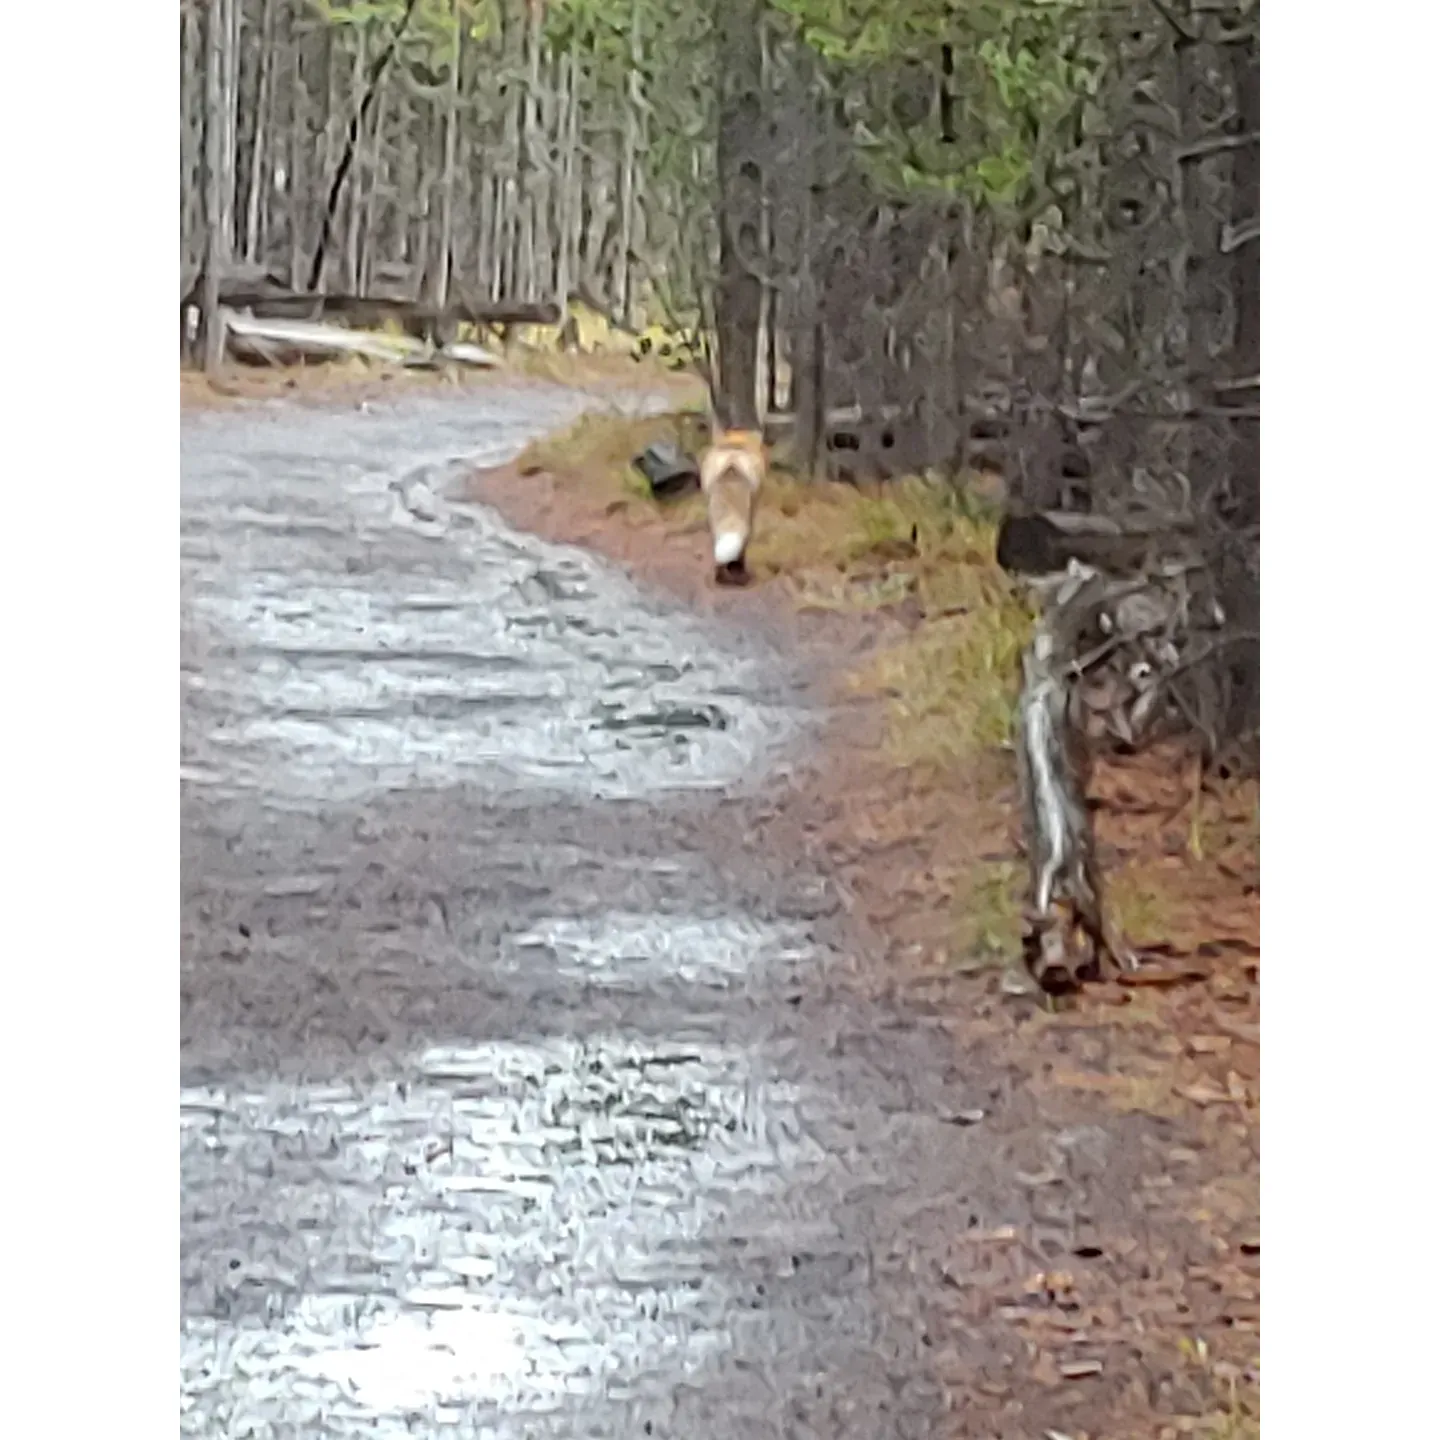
<point x="520" y="1096"/>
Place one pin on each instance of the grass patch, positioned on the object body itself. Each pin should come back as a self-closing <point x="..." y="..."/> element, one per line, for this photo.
<point x="1135" y="899"/>
<point x="826" y="524"/>
<point x="953" y="684"/>
<point x="987" y="915"/>
<point x="598" y="448"/>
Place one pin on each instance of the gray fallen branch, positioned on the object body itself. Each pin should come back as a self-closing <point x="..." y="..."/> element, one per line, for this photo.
<point x="1068" y="936"/>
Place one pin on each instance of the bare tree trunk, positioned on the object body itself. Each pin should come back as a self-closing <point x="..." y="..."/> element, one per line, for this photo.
<point x="447" y="178"/>
<point x="369" y="238"/>
<point x="487" y="255"/>
<point x="1246" y="279"/>
<point x="510" y="198"/>
<point x="530" y="237"/>
<point x="300" y="167"/>
<point x="620" y="287"/>
<point x="273" y="173"/>
<point x="229" y="102"/>
<point x="192" y="64"/>
<point x="217" y="252"/>
<point x="355" y="199"/>
<point x="254" y="241"/>
<point x="425" y="189"/>
<point x="508" y="224"/>
<point x="738" y="297"/>
<point x="768" y="300"/>
<point x="597" y="223"/>
<point x="568" y="208"/>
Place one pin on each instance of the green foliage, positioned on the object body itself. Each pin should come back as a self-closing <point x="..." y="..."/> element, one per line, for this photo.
<point x="1020" y="69"/>
<point x="959" y="99"/>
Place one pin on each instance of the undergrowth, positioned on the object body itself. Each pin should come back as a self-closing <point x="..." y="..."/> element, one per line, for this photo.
<point x="985" y="915"/>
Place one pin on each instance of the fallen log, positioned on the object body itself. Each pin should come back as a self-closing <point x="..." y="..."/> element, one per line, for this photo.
<point x="1045" y="543"/>
<point x="410" y="314"/>
<point x="267" y="300"/>
<point x="281" y="341"/>
<point x="277" y="342"/>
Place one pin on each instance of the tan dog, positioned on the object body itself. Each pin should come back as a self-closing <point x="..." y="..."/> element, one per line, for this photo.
<point x="733" y="469"/>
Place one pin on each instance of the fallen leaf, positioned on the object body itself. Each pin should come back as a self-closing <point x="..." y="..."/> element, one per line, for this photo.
<point x="1203" y="1094"/>
<point x="1080" y="1369"/>
<point x="1208" y="1044"/>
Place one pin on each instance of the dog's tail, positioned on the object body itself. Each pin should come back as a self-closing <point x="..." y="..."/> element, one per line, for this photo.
<point x="732" y="535"/>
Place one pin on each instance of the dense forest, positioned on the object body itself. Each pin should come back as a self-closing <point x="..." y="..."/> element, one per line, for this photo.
<point x="918" y="234"/>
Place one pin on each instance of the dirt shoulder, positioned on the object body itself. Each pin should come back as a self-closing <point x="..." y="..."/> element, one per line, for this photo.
<point x="895" y="600"/>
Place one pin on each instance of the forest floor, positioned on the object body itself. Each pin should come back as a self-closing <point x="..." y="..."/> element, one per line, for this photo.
<point x="913" y="806"/>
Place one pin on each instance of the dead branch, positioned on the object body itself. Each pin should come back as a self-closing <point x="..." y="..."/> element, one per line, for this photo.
<point x="1068" y="937"/>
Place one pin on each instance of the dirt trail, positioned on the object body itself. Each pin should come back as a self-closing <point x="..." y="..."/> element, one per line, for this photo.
<point x="541" y="1074"/>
